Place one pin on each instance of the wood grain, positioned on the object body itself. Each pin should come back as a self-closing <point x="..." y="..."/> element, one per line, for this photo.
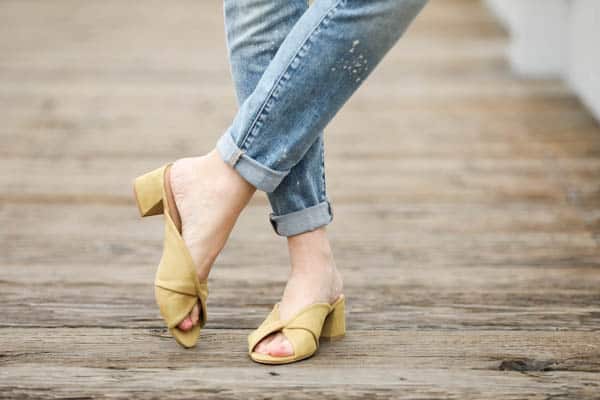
<point x="466" y="203"/>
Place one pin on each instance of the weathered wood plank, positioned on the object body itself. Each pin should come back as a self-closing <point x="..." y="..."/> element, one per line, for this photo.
<point x="400" y="364"/>
<point x="407" y="349"/>
<point x="469" y="242"/>
<point x="54" y="381"/>
<point x="445" y="297"/>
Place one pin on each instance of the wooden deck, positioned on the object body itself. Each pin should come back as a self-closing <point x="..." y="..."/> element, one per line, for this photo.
<point x="466" y="200"/>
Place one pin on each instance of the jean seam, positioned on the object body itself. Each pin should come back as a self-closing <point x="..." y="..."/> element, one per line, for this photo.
<point x="259" y="175"/>
<point x="310" y="221"/>
<point x="323" y="183"/>
<point x="246" y="139"/>
<point x="277" y="216"/>
<point x="262" y="166"/>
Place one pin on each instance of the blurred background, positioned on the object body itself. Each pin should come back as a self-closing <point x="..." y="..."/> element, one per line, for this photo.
<point x="464" y="177"/>
<point x="555" y="38"/>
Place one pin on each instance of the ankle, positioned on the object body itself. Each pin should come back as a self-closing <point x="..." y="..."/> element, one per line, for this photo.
<point x="316" y="265"/>
<point x="226" y="178"/>
<point x="307" y="286"/>
<point x="313" y="264"/>
<point x="311" y="252"/>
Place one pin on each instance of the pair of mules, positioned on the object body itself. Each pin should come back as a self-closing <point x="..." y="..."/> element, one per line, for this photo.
<point x="177" y="288"/>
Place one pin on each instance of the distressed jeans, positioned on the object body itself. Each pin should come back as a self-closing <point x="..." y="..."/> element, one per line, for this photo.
<point x="294" y="66"/>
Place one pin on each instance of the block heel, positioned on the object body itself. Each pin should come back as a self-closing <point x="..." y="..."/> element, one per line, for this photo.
<point x="148" y="192"/>
<point x="335" y="324"/>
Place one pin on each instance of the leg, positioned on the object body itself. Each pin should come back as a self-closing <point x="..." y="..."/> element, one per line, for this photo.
<point x="291" y="165"/>
<point x="330" y="51"/>
<point x="255" y="31"/>
<point x="299" y="204"/>
<point x="209" y="195"/>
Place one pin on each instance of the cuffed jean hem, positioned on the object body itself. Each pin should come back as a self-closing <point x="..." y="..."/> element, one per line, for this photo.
<point x="257" y="174"/>
<point x="302" y="221"/>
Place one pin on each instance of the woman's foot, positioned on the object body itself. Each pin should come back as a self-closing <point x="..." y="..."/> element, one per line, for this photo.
<point x="314" y="279"/>
<point x="209" y="196"/>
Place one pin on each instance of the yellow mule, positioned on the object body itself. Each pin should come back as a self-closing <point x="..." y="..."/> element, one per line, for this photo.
<point x="176" y="285"/>
<point x="304" y="330"/>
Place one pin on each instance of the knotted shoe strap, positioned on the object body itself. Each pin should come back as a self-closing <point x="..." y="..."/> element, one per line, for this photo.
<point x="270" y="325"/>
<point x="177" y="288"/>
<point x="302" y="331"/>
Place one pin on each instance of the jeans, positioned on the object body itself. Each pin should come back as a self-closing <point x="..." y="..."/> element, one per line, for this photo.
<point x="294" y="67"/>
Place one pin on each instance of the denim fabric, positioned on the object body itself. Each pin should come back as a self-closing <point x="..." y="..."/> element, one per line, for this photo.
<point x="255" y="30"/>
<point x="294" y="67"/>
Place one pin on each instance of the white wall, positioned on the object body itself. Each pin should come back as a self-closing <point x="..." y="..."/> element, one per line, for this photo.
<point x="555" y="38"/>
<point x="584" y="52"/>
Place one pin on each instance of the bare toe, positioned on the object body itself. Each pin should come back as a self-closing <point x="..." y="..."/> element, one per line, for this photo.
<point x="280" y="346"/>
<point x="263" y="346"/>
<point x="186" y="324"/>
